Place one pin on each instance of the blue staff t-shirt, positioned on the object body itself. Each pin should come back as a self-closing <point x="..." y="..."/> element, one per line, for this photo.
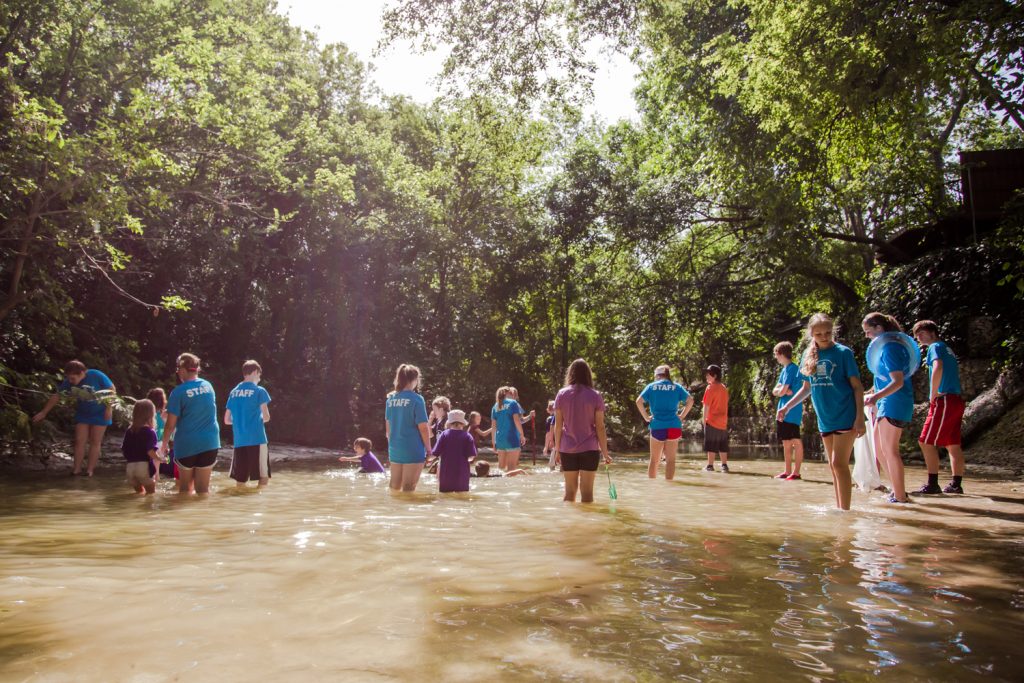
<point x="664" y="397"/>
<point x="831" y="393"/>
<point x="88" y="411"/>
<point x="790" y="376"/>
<point x="950" y="382"/>
<point x="195" y="405"/>
<point x="405" y="411"/>
<point x="506" y="436"/>
<point x="245" y="403"/>
<point x="898" y="405"/>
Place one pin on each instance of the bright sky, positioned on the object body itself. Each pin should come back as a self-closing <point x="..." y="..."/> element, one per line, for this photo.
<point x="398" y="70"/>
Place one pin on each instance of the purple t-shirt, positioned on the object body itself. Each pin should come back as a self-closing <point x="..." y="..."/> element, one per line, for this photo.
<point x="578" y="404"/>
<point x="369" y="463"/>
<point x="137" y="444"/>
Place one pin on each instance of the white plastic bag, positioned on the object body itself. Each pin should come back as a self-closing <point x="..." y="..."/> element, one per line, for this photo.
<point x="865" y="467"/>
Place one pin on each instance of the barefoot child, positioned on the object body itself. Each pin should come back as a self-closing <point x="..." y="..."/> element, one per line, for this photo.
<point x="139" y="448"/>
<point x="945" y="410"/>
<point x="405" y="423"/>
<point x="666" y="421"/>
<point x="368" y="462"/>
<point x="91" y="416"/>
<point x="455" y="449"/>
<point x="716" y="419"/>
<point x="508" y="437"/>
<point x="247" y="414"/>
<point x="788" y="430"/>
<point x="891" y="398"/>
<point x="832" y="380"/>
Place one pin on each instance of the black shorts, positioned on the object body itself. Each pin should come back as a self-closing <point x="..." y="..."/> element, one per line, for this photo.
<point x="787" y="431"/>
<point x="586" y="461"/>
<point x="901" y="424"/>
<point x="837" y="431"/>
<point x="204" y="459"/>
<point x="715" y="440"/>
<point x="250" y="463"/>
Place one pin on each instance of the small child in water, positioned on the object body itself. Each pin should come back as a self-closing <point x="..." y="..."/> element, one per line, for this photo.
<point x="455" y="449"/>
<point x="139" y="448"/>
<point x="368" y="462"/>
<point x="483" y="469"/>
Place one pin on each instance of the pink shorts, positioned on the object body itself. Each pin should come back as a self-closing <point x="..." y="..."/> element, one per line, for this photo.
<point x="942" y="426"/>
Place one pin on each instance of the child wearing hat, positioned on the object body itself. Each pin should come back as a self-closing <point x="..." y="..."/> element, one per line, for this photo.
<point x="455" y="449"/>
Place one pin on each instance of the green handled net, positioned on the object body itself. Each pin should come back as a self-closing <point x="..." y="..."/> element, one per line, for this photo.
<point x="612" y="493"/>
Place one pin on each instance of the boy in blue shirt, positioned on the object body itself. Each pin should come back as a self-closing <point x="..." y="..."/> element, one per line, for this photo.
<point x="788" y="430"/>
<point x="247" y="413"/>
<point x="945" y="410"/>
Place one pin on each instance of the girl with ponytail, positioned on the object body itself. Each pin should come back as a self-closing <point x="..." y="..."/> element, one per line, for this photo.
<point x="831" y="378"/>
<point x="405" y="423"/>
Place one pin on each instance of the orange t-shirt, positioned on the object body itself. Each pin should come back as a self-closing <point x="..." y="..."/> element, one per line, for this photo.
<point x="716" y="405"/>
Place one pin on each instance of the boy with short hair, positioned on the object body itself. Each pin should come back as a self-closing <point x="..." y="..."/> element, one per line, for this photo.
<point x="247" y="413"/>
<point x="945" y="410"/>
<point x="716" y="419"/>
<point x="368" y="462"/>
<point x="788" y="430"/>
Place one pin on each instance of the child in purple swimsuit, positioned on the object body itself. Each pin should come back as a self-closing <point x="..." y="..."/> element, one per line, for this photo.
<point x="455" y="448"/>
<point x="368" y="462"/>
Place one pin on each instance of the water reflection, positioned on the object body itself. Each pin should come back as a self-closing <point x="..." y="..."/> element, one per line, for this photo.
<point x="711" y="577"/>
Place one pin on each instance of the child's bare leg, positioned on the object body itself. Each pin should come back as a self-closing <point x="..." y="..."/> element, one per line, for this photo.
<point x="829" y="442"/>
<point x="149" y="487"/>
<point x="671" y="448"/>
<point x="587" y="486"/>
<point x="711" y="458"/>
<point x="889" y="438"/>
<point x="503" y="460"/>
<point x="81" y="441"/>
<point x="95" y="445"/>
<point x="657" y="448"/>
<point x="395" y="484"/>
<point x="411" y="476"/>
<point x="264" y="481"/>
<point x="513" y="460"/>
<point x="798" y="455"/>
<point x="787" y="457"/>
<point x="931" y="457"/>
<point x="724" y="457"/>
<point x="201" y="478"/>
<point x="842" y="449"/>
<point x="572" y="484"/>
<point x="956" y="460"/>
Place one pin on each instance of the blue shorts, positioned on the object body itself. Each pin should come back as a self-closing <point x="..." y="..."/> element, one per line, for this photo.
<point x="407" y="459"/>
<point x="507" y="442"/>
<point x="669" y="434"/>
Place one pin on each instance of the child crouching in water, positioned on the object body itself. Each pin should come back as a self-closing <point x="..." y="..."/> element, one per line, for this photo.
<point x="455" y="449"/>
<point x="368" y="462"/>
<point x="139" y="448"/>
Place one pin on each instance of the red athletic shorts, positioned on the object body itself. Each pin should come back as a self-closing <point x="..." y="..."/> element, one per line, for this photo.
<point x="942" y="426"/>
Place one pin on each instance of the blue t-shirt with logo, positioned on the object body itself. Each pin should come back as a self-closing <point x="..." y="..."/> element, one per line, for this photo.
<point x="950" y="382"/>
<point x="664" y="396"/>
<point x="831" y="393"/>
<point x="195" y="404"/>
<point x="898" y="405"/>
<point x="87" y="411"/>
<point x="506" y="436"/>
<point x="405" y="411"/>
<point x="790" y="376"/>
<point x="245" y="402"/>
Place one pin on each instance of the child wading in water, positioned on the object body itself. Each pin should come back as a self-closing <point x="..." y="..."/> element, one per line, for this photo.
<point x="891" y="398"/>
<point x="455" y="449"/>
<point x="247" y="414"/>
<point x="945" y="410"/>
<point x="833" y="382"/>
<point x="666" y="421"/>
<point x="716" y="419"/>
<point x="481" y="435"/>
<point x="368" y="462"/>
<point x="139" y="448"/>
<point x="439" y="408"/>
<point x="508" y="437"/>
<point x="788" y="429"/>
<point x="405" y="422"/>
